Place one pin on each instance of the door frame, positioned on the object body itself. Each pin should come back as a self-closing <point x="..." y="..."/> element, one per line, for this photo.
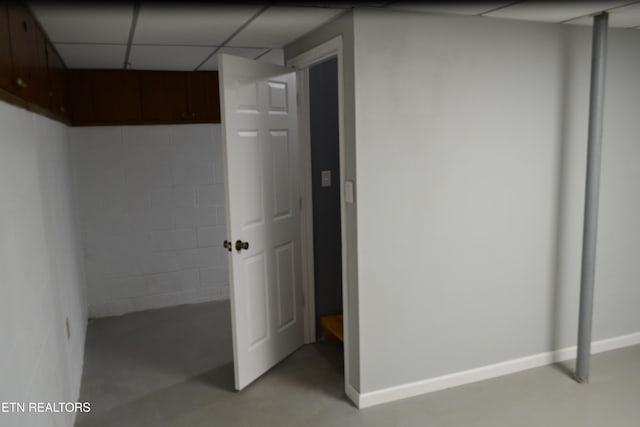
<point x="302" y="63"/>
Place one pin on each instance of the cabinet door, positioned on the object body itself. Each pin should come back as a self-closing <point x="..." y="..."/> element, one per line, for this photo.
<point x="57" y="83"/>
<point x="163" y="96"/>
<point x="116" y="96"/>
<point x="197" y="95"/>
<point x="80" y="90"/>
<point x="5" y="49"/>
<point x="29" y="57"/>
<point x="40" y="73"/>
<point x="104" y="97"/>
<point x="213" y="97"/>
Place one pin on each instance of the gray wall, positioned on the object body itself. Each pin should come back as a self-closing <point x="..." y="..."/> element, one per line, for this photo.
<point x="471" y="145"/>
<point x="325" y="155"/>
<point x="41" y="275"/>
<point x="343" y="26"/>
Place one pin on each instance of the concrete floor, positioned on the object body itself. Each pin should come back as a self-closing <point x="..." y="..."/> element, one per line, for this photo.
<point x="172" y="367"/>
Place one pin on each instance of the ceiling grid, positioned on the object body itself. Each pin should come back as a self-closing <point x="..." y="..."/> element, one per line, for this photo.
<point x="132" y="31"/>
<point x="224" y="43"/>
<point x="185" y="36"/>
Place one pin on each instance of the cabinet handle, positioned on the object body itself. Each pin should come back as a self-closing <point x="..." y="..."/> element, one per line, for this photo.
<point x="63" y="109"/>
<point x="183" y="115"/>
<point x="20" y="82"/>
<point x="193" y="114"/>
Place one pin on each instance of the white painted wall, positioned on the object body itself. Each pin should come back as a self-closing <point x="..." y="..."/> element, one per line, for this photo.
<point x="470" y="159"/>
<point x="41" y="268"/>
<point x="273" y="56"/>
<point x="153" y="215"/>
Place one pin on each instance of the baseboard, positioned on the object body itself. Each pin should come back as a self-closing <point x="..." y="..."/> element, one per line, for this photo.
<point x="364" y="400"/>
<point x="353" y="394"/>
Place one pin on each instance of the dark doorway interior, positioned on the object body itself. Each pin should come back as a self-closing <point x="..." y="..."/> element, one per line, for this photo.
<point x="325" y="156"/>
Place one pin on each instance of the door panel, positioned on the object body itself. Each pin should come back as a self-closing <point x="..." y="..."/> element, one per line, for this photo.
<point x="285" y="274"/>
<point x="278" y="97"/>
<point x="249" y="150"/>
<point x="260" y="146"/>
<point x="281" y="174"/>
<point x="256" y="299"/>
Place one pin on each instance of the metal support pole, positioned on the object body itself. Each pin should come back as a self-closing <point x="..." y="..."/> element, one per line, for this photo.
<point x="596" y="108"/>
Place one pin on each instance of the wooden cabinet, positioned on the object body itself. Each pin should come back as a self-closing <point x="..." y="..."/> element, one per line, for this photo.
<point x="202" y="96"/>
<point x="197" y="95"/>
<point x="105" y="97"/>
<point x="5" y="49"/>
<point x="30" y="80"/>
<point x="32" y="74"/>
<point x="40" y="73"/>
<point x="34" y="77"/>
<point x="58" y="83"/>
<point x="164" y="96"/>
<point x="116" y="96"/>
<point x="80" y="92"/>
<point x="171" y="96"/>
<point x="213" y="97"/>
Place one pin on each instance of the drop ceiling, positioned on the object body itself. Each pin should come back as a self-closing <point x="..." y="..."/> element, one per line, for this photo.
<point x="189" y="36"/>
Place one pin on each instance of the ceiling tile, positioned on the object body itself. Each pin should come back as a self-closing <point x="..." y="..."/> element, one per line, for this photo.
<point x="245" y="52"/>
<point x="85" y="23"/>
<point x="622" y="17"/>
<point x="189" y="24"/>
<point x="554" y="11"/>
<point x="169" y="58"/>
<point x="453" y="8"/>
<point x="313" y="4"/>
<point x="368" y="4"/>
<point x="278" y="26"/>
<point x="336" y="5"/>
<point x="105" y="56"/>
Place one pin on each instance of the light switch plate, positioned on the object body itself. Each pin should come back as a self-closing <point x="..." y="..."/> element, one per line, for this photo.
<point x="326" y="178"/>
<point x="348" y="191"/>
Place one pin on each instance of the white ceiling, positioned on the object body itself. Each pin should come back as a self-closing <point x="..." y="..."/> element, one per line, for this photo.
<point x="201" y="25"/>
<point x="554" y="12"/>
<point x="278" y="26"/>
<point x="175" y="36"/>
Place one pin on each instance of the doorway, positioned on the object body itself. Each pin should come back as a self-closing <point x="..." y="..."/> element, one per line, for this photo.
<point x="325" y="176"/>
<point x="304" y="62"/>
<point x="266" y="171"/>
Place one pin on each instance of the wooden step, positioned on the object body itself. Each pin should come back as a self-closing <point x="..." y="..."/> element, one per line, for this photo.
<point x="332" y="326"/>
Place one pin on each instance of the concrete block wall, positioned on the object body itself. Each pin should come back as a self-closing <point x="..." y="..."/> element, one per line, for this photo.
<point x="41" y="269"/>
<point x="152" y="206"/>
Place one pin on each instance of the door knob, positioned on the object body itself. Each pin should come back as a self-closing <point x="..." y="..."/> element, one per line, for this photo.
<point x="227" y="245"/>
<point x="240" y="245"/>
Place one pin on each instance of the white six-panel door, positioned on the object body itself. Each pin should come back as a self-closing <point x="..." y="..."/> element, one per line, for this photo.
<point x="260" y="147"/>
